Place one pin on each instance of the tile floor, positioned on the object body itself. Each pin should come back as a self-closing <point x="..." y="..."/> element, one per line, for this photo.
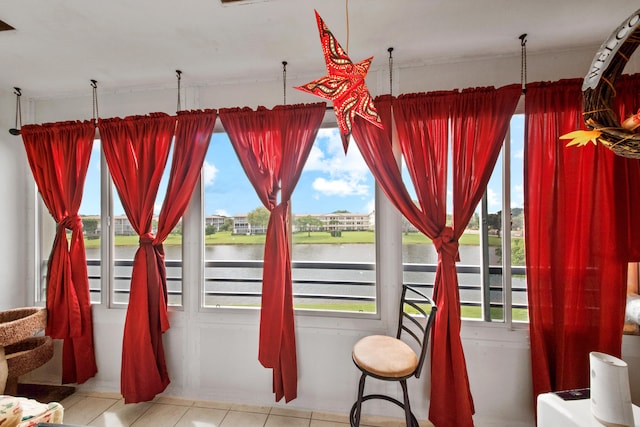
<point x="109" y="410"/>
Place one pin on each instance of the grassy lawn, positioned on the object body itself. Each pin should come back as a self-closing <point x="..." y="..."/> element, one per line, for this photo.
<point x="465" y="239"/>
<point x="173" y="239"/>
<point x="519" y="315"/>
<point x="315" y="237"/>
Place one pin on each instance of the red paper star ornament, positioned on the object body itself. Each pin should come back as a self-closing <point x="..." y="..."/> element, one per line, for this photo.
<point x="344" y="85"/>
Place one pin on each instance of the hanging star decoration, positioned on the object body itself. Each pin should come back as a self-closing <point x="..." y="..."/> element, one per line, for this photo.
<point x="344" y="85"/>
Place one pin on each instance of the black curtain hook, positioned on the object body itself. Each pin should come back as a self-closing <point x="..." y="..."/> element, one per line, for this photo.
<point x="16" y="130"/>
<point x="523" y="62"/>
<point x="390" y="50"/>
<point x="94" y="85"/>
<point x="179" y="77"/>
<point x="284" y="82"/>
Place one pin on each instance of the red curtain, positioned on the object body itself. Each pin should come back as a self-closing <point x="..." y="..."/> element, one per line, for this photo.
<point x="273" y="146"/>
<point x="193" y="134"/>
<point x="479" y="121"/>
<point x="58" y="154"/>
<point x="136" y="150"/>
<point x="628" y="103"/>
<point x="576" y="214"/>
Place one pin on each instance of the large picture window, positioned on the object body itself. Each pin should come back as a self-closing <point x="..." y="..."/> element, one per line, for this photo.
<point x="333" y="223"/>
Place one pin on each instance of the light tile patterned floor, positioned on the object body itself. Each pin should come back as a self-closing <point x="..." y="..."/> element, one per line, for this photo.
<point x="109" y="410"/>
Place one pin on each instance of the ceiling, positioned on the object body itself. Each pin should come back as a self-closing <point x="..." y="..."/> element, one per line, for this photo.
<point x="58" y="46"/>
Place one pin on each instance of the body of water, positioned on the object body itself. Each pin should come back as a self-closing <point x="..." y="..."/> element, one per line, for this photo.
<point x="227" y="279"/>
<point x="360" y="252"/>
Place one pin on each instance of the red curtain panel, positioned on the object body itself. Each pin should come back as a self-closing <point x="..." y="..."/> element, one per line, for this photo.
<point x="627" y="103"/>
<point x="273" y="146"/>
<point x="58" y="154"/>
<point x="193" y="134"/>
<point x="479" y="123"/>
<point x="479" y="120"/>
<point x="136" y="150"/>
<point x="577" y="207"/>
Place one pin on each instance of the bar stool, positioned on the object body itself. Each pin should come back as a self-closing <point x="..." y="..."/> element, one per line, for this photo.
<point x="391" y="359"/>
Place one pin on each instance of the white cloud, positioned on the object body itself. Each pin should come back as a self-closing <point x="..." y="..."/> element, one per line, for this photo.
<point x="221" y="212"/>
<point x="209" y="172"/>
<point x="492" y="198"/>
<point x="370" y="206"/>
<point x="519" y="154"/>
<point x="345" y="175"/>
<point x="517" y="196"/>
<point x="156" y="208"/>
<point x="339" y="187"/>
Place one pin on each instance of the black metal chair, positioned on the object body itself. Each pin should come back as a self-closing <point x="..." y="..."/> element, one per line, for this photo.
<point x="391" y="359"/>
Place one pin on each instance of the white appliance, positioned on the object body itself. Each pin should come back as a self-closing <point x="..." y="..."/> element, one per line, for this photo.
<point x="610" y="391"/>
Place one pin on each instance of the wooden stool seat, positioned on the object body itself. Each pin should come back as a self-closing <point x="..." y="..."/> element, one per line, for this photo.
<point x="385" y="356"/>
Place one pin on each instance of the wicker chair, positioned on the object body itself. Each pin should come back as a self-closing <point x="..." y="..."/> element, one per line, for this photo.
<point x="392" y="359"/>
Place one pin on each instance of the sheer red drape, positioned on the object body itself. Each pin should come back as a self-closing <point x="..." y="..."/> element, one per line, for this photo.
<point x="59" y="154"/>
<point x="273" y="146"/>
<point x="576" y="216"/>
<point x="479" y="121"/>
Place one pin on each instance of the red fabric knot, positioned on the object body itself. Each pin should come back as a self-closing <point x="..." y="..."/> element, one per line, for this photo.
<point x="70" y="222"/>
<point x="146" y="239"/>
<point x="446" y="243"/>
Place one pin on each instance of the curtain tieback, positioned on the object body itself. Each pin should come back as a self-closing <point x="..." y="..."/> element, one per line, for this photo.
<point x="70" y="222"/>
<point x="146" y="239"/>
<point x="446" y="243"/>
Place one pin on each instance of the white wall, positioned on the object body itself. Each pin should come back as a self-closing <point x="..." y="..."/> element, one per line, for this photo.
<point x="214" y="355"/>
<point x="15" y="263"/>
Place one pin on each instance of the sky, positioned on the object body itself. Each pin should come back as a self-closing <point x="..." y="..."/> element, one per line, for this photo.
<point x="330" y="180"/>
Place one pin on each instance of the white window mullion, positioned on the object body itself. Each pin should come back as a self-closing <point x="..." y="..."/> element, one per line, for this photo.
<point x="106" y="234"/>
<point x="506" y="230"/>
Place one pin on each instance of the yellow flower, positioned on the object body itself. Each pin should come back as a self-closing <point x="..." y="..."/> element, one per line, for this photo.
<point x="582" y="137"/>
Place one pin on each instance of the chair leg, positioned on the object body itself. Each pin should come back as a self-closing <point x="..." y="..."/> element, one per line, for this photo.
<point x="355" y="419"/>
<point x="407" y="407"/>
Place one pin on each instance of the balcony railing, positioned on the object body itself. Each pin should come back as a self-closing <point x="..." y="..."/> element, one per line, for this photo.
<point x="334" y="286"/>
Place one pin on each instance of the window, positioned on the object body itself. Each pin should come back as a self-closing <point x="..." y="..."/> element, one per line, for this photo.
<point x="333" y="252"/>
<point x="333" y="230"/>
<point x="111" y="242"/>
<point x="90" y="214"/>
<point x="92" y="222"/>
<point x="126" y="242"/>
<point x="235" y="225"/>
<point x="488" y="281"/>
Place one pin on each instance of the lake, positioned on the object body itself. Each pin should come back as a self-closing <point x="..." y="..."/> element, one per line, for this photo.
<point x="226" y="279"/>
<point x="360" y="252"/>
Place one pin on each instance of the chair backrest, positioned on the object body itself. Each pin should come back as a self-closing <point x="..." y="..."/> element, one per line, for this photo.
<point x="417" y="314"/>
